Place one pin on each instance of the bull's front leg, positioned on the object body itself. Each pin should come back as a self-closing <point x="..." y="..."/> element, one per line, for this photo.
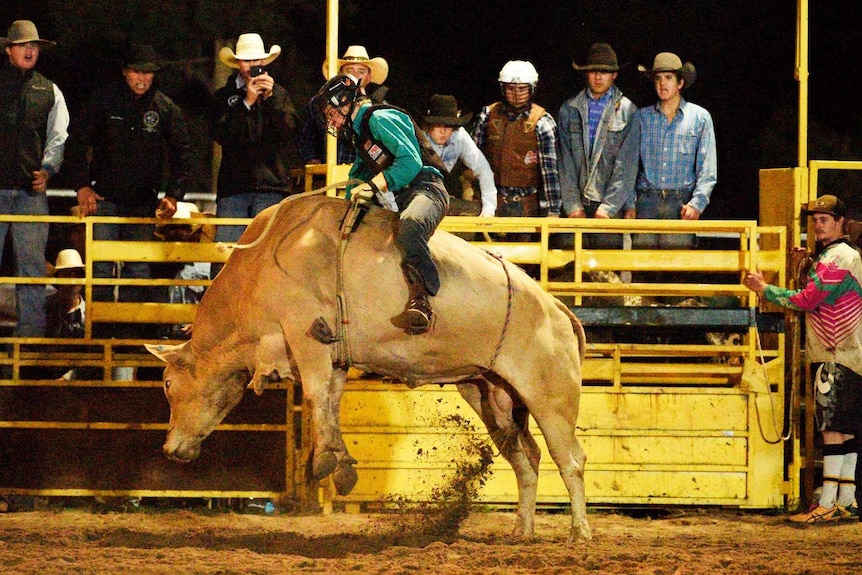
<point x="322" y="397"/>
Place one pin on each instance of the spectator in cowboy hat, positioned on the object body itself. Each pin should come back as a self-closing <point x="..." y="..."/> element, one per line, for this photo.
<point x="679" y="186"/>
<point x="598" y="155"/>
<point x="254" y="121"/>
<point x="371" y="73"/>
<point x="129" y="142"/>
<point x="443" y="124"/>
<point x="33" y="131"/>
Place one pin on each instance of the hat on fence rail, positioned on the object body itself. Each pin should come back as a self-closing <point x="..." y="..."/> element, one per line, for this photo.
<point x="186" y="232"/>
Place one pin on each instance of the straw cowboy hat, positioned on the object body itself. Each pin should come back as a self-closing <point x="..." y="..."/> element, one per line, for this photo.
<point x="68" y="259"/>
<point x="670" y="62"/>
<point x="359" y="55"/>
<point x="443" y="110"/>
<point x="601" y="58"/>
<point x="22" y="32"/>
<point x="248" y="47"/>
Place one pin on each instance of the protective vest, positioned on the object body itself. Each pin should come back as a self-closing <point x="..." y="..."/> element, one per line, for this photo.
<point x="512" y="147"/>
<point x="25" y="102"/>
<point x="375" y="154"/>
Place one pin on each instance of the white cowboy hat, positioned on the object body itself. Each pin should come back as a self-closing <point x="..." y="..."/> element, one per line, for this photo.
<point x="248" y="47"/>
<point x="359" y="55"/>
<point x="68" y="259"/>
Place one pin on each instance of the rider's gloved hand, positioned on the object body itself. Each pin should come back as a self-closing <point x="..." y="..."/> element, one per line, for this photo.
<point x="363" y="194"/>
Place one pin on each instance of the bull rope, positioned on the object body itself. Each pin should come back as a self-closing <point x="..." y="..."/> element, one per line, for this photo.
<point x="341" y="340"/>
<point x="510" y="294"/>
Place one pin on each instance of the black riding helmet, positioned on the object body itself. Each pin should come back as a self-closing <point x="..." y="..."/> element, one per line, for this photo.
<point x="342" y="90"/>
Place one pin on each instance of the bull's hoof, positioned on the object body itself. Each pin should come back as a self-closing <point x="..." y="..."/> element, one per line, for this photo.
<point x="323" y="465"/>
<point x="580" y="533"/>
<point x="345" y="479"/>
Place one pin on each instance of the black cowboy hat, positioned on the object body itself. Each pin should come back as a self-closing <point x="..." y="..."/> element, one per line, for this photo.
<point x="443" y="110"/>
<point x="601" y="58"/>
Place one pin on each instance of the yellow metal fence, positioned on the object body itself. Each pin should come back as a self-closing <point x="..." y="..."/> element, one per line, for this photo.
<point x="663" y="421"/>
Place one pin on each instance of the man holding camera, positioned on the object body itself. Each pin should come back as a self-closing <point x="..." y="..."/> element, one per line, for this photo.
<point x="254" y="121"/>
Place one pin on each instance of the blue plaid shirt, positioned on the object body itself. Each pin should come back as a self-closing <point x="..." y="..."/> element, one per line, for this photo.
<point x="546" y="134"/>
<point x="680" y="155"/>
<point x="595" y="109"/>
<point x="311" y="141"/>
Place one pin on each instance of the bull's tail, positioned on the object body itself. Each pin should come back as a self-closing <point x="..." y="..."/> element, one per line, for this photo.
<point x="578" y="328"/>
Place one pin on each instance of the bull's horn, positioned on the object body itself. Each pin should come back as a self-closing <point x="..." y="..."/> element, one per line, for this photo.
<point x="167" y="353"/>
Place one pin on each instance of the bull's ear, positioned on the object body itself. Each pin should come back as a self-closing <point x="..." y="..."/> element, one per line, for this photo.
<point x="176" y="354"/>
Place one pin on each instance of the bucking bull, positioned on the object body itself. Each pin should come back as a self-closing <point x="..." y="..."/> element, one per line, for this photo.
<point x="308" y="299"/>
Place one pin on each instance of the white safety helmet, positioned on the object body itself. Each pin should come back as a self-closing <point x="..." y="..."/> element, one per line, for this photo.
<point x="519" y="72"/>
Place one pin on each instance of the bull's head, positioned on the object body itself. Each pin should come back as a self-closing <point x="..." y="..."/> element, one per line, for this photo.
<point x="199" y="396"/>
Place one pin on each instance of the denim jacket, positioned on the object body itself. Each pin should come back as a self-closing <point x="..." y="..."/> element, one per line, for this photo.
<point x="608" y="174"/>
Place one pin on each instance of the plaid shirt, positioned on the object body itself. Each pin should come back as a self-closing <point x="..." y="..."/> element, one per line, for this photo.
<point x="680" y="155"/>
<point x="311" y="141"/>
<point x="546" y="134"/>
<point x="595" y="109"/>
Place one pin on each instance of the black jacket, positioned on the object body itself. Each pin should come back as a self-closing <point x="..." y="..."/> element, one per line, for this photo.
<point x="132" y="140"/>
<point x="257" y="144"/>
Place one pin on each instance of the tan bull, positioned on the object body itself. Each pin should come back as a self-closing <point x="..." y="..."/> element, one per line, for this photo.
<point x="274" y="313"/>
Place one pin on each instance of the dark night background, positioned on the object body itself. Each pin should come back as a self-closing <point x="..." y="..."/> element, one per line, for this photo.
<point x="744" y="52"/>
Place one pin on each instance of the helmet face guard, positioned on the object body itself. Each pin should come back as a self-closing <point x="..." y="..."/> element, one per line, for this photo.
<point x="337" y="97"/>
<point x="519" y="72"/>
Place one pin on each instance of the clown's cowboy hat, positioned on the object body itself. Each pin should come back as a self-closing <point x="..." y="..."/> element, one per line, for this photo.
<point x="601" y="58"/>
<point x="443" y="110"/>
<point x="23" y="32"/>
<point x="248" y="47"/>
<point x="359" y="55"/>
<point x="670" y="62"/>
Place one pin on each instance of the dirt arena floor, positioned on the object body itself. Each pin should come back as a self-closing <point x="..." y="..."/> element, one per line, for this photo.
<point x="197" y="541"/>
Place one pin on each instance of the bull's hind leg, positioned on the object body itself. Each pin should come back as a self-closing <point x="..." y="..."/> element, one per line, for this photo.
<point x="508" y="426"/>
<point x="557" y="420"/>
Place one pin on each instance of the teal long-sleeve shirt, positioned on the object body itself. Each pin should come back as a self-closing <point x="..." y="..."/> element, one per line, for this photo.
<point x="394" y="129"/>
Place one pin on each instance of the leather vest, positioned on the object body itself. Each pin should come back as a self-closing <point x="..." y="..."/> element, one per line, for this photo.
<point x="25" y="102"/>
<point x="512" y="147"/>
<point x="377" y="157"/>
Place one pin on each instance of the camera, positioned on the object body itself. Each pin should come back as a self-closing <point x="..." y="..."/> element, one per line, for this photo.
<point x="256" y="71"/>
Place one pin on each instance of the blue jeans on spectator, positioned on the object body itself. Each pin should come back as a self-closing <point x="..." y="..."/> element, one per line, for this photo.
<point x="662" y="205"/>
<point x="28" y="246"/>
<point x="240" y="206"/>
<point x="131" y="270"/>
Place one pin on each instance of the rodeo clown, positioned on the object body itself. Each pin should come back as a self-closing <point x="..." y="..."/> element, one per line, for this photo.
<point x="831" y="301"/>
<point x="401" y="173"/>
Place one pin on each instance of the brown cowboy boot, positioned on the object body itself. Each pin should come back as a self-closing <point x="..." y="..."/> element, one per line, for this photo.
<point x="418" y="312"/>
